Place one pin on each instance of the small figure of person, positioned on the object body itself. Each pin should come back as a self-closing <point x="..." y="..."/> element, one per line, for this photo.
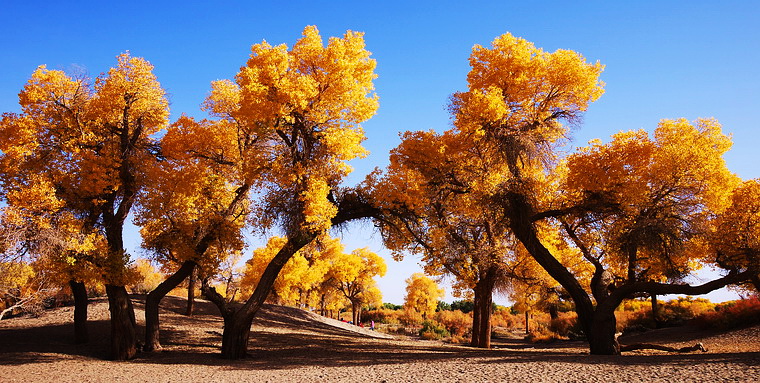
<point x="372" y="325"/>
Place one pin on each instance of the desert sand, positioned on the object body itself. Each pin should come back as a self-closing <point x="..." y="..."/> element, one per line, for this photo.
<point x="291" y="345"/>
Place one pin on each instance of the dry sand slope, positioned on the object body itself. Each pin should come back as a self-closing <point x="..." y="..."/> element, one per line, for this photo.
<point x="290" y="345"/>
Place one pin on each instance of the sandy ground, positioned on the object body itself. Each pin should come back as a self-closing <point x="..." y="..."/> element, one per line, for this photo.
<point x="290" y="345"/>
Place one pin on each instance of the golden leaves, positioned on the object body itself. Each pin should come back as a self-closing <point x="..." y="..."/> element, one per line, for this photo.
<point x="518" y="95"/>
<point x="422" y="294"/>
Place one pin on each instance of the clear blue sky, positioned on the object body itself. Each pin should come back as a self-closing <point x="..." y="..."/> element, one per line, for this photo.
<point x="663" y="60"/>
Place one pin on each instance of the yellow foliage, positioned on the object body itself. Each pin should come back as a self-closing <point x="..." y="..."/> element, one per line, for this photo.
<point x="665" y="188"/>
<point x="422" y="295"/>
<point x="736" y="236"/>
<point x="297" y="113"/>
<point x="75" y="156"/>
<point x="147" y="277"/>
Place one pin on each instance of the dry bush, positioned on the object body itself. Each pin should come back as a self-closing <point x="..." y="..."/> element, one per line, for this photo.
<point x="386" y="316"/>
<point x="456" y="322"/>
<point x="431" y="330"/>
<point x="637" y="314"/>
<point x="503" y="317"/>
<point x="733" y="314"/>
<point x="566" y="325"/>
<point x="410" y="317"/>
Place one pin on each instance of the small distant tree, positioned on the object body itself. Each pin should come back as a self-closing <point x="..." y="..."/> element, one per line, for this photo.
<point x="422" y="295"/>
<point x="353" y="275"/>
<point x="147" y="277"/>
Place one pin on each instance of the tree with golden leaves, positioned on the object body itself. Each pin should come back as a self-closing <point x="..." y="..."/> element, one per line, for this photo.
<point x="301" y="108"/>
<point x="735" y="239"/>
<point x="194" y="205"/>
<point x="422" y="295"/>
<point x="435" y="198"/>
<point x="518" y="103"/>
<point x="89" y="143"/>
<point x="353" y="275"/>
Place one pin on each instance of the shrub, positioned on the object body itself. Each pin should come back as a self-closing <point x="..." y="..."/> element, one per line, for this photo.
<point x="410" y="317"/>
<point x="381" y="316"/>
<point x="505" y="318"/>
<point x="733" y="314"/>
<point x="566" y="325"/>
<point x="431" y="330"/>
<point x="456" y="322"/>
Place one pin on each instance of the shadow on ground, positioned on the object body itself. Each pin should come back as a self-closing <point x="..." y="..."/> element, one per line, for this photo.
<point x="287" y="338"/>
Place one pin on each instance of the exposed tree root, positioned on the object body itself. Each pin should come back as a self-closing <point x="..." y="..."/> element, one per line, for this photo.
<point x="649" y="346"/>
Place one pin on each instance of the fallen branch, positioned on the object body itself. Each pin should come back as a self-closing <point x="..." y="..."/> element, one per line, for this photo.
<point x="649" y="346"/>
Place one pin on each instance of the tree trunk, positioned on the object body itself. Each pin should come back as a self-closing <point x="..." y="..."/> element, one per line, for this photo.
<point x="484" y="301"/>
<point x="123" y="326"/>
<point x="355" y="312"/>
<point x="153" y="300"/>
<point x="520" y="212"/>
<point x="237" y="330"/>
<point x="475" y="319"/>
<point x="191" y="293"/>
<point x="553" y="311"/>
<point x="79" y="291"/>
<point x="655" y="311"/>
<point x="527" y="322"/>
<point x="237" y="322"/>
<point x="602" y="339"/>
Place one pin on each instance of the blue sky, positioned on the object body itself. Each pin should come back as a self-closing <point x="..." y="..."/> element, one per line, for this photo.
<point x="663" y="60"/>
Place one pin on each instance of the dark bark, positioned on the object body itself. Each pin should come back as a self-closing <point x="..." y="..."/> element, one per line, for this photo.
<point x="237" y="330"/>
<point x="649" y="346"/>
<point x="519" y="213"/>
<point x="475" y="320"/>
<point x="527" y="322"/>
<point x="601" y="339"/>
<point x="237" y="320"/>
<point x="655" y="311"/>
<point x="191" y="292"/>
<point x="153" y="300"/>
<point x="553" y="311"/>
<point x="123" y="326"/>
<point x="482" y="310"/>
<point x="598" y="323"/>
<point x="79" y="291"/>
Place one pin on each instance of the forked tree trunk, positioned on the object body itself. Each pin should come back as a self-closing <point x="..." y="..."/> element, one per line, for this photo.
<point x="191" y="292"/>
<point x="123" y="326"/>
<point x="79" y="291"/>
<point x="153" y="301"/>
<point x="237" y="321"/>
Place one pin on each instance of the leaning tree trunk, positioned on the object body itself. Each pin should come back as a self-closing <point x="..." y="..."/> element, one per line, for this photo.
<point x="79" y="291"/>
<point x="237" y="322"/>
<point x="153" y="301"/>
<point x="520" y="212"/>
<point x="123" y="325"/>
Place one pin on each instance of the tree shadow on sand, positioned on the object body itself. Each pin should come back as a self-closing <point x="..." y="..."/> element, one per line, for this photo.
<point x="287" y="338"/>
